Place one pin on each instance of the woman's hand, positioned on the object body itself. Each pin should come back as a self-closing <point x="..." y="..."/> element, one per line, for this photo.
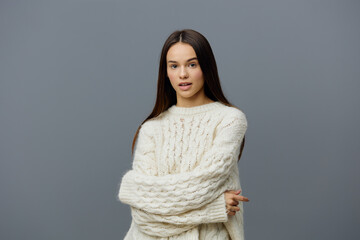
<point x="232" y="200"/>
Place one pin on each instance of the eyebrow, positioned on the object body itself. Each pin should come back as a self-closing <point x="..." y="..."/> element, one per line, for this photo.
<point x="187" y="60"/>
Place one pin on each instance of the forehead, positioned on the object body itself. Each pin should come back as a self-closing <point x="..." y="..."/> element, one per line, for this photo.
<point x="180" y="51"/>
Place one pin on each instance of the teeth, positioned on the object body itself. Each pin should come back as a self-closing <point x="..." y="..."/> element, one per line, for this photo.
<point x="184" y="84"/>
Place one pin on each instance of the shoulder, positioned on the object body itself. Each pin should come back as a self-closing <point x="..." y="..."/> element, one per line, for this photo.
<point x="146" y="135"/>
<point x="232" y="125"/>
<point x="232" y="114"/>
<point x="150" y="126"/>
<point x="146" y="127"/>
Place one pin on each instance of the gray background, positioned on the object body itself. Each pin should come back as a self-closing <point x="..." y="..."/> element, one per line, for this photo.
<point x="78" y="77"/>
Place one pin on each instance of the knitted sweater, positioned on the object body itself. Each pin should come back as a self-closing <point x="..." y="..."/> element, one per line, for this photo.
<point x="184" y="161"/>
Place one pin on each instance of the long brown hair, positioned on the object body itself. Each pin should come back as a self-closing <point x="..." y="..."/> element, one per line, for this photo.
<point x="166" y="95"/>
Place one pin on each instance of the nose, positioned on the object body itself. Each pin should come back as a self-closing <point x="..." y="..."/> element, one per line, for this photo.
<point x="183" y="73"/>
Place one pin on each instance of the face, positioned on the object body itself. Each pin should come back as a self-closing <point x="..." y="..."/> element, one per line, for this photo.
<point x="183" y="67"/>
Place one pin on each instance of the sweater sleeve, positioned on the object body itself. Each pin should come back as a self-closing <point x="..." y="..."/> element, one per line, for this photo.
<point x="175" y="194"/>
<point x="144" y="163"/>
<point x="170" y="225"/>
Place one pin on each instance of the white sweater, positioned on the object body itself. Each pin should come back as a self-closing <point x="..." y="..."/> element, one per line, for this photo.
<point x="184" y="161"/>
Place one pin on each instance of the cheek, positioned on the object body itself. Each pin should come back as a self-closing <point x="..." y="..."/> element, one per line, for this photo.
<point x="198" y="75"/>
<point x="171" y="76"/>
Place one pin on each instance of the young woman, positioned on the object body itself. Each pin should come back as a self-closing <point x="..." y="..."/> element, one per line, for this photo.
<point x="184" y="182"/>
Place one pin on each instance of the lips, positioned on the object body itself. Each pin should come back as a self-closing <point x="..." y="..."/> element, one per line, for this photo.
<point x="185" y="87"/>
<point x="187" y="83"/>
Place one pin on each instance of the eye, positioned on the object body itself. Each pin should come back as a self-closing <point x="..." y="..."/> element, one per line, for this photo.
<point x="192" y="64"/>
<point x="173" y="66"/>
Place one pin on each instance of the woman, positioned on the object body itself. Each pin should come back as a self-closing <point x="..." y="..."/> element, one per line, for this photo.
<point x="184" y="182"/>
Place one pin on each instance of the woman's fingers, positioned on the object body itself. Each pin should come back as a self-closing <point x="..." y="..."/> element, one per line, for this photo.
<point x="237" y="192"/>
<point x="235" y="197"/>
<point x="241" y="198"/>
<point x="230" y="213"/>
<point x="232" y="200"/>
<point x="232" y="210"/>
<point x="234" y="191"/>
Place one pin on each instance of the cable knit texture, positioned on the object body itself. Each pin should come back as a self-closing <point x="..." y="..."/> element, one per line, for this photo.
<point x="184" y="161"/>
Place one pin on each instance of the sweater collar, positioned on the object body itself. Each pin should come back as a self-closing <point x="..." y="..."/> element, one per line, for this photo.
<point x="194" y="110"/>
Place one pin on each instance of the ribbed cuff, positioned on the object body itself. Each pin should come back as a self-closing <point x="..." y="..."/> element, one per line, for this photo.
<point x="218" y="209"/>
<point x="125" y="191"/>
